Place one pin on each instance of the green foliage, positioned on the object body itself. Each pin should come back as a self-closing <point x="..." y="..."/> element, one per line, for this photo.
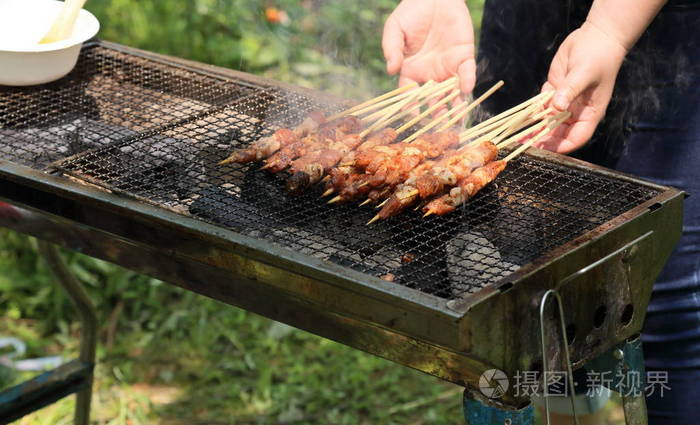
<point x="334" y="45"/>
<point x="218" y="361"/>
<point x="331" y="44"/>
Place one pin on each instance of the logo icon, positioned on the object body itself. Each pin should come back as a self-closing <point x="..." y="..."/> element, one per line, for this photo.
<point x="493" y="383"/>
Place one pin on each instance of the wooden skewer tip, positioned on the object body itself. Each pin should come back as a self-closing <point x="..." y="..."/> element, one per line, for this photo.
<point x="410" y="194"/>
<point x="375" y="218"/>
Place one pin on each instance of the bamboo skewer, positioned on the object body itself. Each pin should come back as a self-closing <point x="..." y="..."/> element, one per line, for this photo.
<point x="428" y="111"/>
<point x="393" y="110"/>
<point x="521" y="134"/>
<point x="472" y="105"/>
<point x="458" y="115"/>
<point x="373" y="101"/>
<point x="437" y="91"/>
<point x="501" y="126"/>
<point x="505" y="143"/>
<point x="494" y="121"/>
<point x="449" y="82"/>
<point x="426" y="89"/>
<point x="554" y="122"/>
<point x="510" y="125"/>
<point x="501" y="144"/>
<point x="375" y="218"/>
<point x="403" y="128"/>
<point x="381" y="104"/>
<point x="408" y="112"/>
<point x="518" y="121"/>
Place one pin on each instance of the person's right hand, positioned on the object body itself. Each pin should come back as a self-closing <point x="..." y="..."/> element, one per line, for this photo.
<point x="430" y="40"/>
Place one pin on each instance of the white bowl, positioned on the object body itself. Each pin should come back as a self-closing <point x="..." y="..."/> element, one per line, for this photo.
<point x="25" y="62"/>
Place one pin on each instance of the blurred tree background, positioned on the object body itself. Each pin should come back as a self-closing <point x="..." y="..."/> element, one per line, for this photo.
<point x="167" y="356"/>
<point x="332" y="45"/>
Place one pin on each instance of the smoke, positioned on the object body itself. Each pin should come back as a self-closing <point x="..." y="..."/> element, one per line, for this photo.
<point x="520" y="37"/>
<point x="348" y="46"/>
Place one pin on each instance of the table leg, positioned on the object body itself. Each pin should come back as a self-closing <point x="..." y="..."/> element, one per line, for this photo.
<point x="88" y="322"/>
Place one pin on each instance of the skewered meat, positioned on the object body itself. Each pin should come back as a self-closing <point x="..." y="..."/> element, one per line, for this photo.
<point x="455" y="167"/>
<point x="389" y="166"/>
<point x="341" y="174"/>
<point x="445" y="173"/>
<point x="266" y="146"/>
<point x="262" y="148"/>
<point x="467" y="188"/>
<point x="376" y="195"/>
<point x="311" y="168"/>
<point x="310" y="124"/>
<point x="328" y="132"/>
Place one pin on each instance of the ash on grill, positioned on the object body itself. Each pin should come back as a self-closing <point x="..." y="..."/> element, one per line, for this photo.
<point x="108" y="97"/>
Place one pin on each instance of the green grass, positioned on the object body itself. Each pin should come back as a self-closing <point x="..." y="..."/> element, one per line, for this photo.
<point x="167" y="356"/>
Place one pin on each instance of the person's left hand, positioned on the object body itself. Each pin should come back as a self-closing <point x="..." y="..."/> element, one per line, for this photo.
<point x="583" y="73"/>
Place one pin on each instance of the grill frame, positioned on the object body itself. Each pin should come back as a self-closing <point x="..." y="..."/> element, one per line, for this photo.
<point x="416" y="329"/>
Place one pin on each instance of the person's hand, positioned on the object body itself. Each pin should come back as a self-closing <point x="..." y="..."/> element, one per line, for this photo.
<point x="583" y="73"/>
<point x="430" y="40"/>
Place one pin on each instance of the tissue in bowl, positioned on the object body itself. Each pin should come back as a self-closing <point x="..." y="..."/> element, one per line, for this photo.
<point x="25" y="62"/>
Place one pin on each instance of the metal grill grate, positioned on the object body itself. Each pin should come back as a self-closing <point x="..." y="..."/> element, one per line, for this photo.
<point x="109" y="96"/>
<point x="534" y="207"/>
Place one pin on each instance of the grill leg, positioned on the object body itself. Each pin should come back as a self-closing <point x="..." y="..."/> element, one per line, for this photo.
<point x="625" y="366"/>
<point x="478" y="413"/>
<point x="554" y="295"/>
<point x="88" y="323"/>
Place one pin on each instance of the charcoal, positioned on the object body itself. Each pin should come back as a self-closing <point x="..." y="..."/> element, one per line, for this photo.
<point x="473" y="261"/>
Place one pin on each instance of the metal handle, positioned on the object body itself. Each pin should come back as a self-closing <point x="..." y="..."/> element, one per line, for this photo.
<point x="567" y="358"/>
<point x="584" y="270"/>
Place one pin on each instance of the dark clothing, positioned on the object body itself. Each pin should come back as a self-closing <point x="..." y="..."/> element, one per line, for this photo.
<point x="652" y="130"/>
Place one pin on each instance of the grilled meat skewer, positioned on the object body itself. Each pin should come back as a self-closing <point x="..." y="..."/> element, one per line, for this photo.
<point x="311" y="168"/>
<point x="266" y="146"/>
<point x="346" y="168"/>
<point x="262" y="148"/>
<point x="389" y="166"/>
<point x="446" y="173"/>
<point x="326" y="133"/>
<point x="465" y="190"/>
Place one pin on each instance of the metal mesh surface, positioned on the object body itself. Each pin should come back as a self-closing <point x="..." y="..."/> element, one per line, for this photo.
<point x="533" y="207"/>
<point x="156" y="132"/>
<point x="109" y="96"/>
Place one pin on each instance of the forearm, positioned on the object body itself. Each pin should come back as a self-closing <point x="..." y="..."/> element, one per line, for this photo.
<point x="623" y="20"/>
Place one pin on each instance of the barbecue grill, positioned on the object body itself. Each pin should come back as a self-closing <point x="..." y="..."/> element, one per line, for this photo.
<point x="119" y="160"/>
